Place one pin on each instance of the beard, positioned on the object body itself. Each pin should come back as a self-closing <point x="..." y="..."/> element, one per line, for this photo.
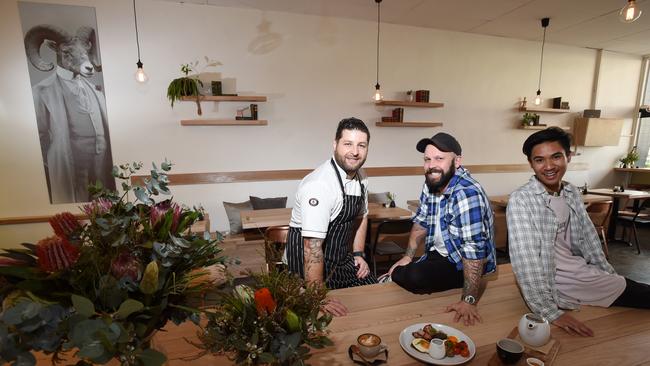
<point x="348" y="168"/>
<point x="437" y="186"/>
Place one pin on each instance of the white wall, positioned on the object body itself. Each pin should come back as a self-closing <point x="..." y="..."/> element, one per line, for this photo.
<point x="318" y="70"/>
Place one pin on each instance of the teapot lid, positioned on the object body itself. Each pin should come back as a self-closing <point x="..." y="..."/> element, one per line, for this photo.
<point x="535" y="318"/>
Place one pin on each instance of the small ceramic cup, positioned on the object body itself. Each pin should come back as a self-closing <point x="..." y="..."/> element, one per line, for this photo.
<point x="532" y="361"/>
<point x="369" y="344"/>
<point x="509" y="350"/>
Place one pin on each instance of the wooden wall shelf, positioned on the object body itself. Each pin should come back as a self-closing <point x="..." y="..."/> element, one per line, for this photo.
<point x="223" y="122"/>
<point x="409" y="124"/>
<point x="566" y="128"/>
<point x="400" y="103"/>
<point x="226" y="98"/>
<point x="542" y="109"/>
<point x="633" y="170"/>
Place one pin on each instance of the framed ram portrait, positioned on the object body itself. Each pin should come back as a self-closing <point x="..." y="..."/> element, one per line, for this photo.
<point x="65" y="72"/>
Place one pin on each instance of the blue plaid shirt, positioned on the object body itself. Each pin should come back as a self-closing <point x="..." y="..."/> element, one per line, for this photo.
<point x="467" y="223"/>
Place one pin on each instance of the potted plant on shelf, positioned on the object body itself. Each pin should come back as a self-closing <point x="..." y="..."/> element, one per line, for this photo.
<point x="630" y="159"/>
<point x="188" y="85"/>
<point x="530" y="119"/>
<point x="102" y="288"/>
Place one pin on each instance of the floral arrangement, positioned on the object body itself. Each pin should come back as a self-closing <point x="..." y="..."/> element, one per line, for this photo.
<point x="271" y="322"/>
<point x="101" y="288"/>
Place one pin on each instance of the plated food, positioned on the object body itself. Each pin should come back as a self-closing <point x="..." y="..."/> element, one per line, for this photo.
<point x="453" y="346"/>
<point x="414" y="343"/>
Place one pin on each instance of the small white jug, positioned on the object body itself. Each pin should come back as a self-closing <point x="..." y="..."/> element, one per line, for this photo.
<point x="437" y="348"/>
<point x="534" y="330"/>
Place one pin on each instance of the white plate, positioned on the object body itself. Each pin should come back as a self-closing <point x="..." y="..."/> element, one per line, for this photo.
<point x="406" y="337"/>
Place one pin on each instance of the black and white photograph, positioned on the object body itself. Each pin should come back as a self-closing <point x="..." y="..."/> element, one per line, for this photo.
<point x="65" y="71"/>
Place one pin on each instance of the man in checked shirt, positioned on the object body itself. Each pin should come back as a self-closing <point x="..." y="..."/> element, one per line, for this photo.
<point x="456" y="224"/>
<point x="554" y="248"/>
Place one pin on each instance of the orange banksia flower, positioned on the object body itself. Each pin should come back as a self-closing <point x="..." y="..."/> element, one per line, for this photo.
<point x="64" y="224"/>
<point x="264" y="301"/>
<point x="56" y="254"/>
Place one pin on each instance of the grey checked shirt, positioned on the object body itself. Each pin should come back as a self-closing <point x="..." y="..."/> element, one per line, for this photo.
<point x="532" y="229"/>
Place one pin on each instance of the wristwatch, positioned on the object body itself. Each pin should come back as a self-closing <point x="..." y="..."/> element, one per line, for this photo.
<point x="359" y="254"/>
<point x="469" y="299"/>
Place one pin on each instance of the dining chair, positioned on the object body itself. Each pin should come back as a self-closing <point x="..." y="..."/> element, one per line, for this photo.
<point x="599" y="213"/>
<point x="384" y="246"/>
<point x="275" y="239"/>
<point x="641" y="217"/>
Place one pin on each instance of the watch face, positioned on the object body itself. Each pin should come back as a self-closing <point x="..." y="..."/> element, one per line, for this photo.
<point x="469" y="299"/>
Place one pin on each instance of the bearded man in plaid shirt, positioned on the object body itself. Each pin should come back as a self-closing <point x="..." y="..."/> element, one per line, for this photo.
<point x="456" y="224"/>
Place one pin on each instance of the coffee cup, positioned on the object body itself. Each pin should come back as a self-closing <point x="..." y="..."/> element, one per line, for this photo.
<point x="509" y="350"/>
<point x="532" y="361"/>
<point x="369" y="344"/>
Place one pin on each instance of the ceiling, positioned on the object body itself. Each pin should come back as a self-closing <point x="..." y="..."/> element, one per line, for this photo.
<point x="582" y="23"/>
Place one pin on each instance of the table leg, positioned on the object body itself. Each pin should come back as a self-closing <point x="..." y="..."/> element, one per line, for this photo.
<point x="611" y="230"/>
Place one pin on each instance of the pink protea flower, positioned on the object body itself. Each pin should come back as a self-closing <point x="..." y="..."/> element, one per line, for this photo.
<point x="64" y="224"/>
<point x="99" y="206"/>
<point x="126" y="265"/>
<point x="56" y="254"/>
<point x="159" y="210"/>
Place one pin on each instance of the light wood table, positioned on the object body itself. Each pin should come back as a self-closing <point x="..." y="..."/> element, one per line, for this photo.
<point x="628" y="194"/>
<point x="502" y="201"/>
<point x="261" y="219"/>
<point x="621" y="334"/>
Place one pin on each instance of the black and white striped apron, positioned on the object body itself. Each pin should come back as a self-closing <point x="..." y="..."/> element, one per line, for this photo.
<point x="340" y="271"/>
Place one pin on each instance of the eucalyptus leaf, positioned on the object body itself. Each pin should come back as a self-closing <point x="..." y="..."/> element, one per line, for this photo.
<point x="129" y="307"/>
<point x="83" y="306"/>
<point x="142" y="196"/>
<point x="151" y="357"/>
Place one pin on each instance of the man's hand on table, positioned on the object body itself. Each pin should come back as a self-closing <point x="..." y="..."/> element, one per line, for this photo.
<point x="335" y="307"/>
<point x="573" y="326"/>
<point x="402" y="262"/>
<point x="362" y="267"/>
<point x="468" y="313"/>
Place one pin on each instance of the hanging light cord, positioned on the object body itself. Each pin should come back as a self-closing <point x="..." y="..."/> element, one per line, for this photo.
<point x="137" y="39"/>
<point x="378" y="22"/>
<point x="541" y="61"/>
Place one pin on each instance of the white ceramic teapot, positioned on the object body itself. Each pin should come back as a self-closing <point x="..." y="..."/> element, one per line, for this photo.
<point x="534" y="330"/>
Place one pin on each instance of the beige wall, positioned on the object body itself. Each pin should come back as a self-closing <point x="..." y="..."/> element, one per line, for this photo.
<point x="318" y="71"/>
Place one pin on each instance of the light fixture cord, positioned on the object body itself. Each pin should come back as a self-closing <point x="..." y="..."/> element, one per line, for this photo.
<point x="137" y="38"/>
<point x="378" y="22"/>
<point x="541" y="61"/>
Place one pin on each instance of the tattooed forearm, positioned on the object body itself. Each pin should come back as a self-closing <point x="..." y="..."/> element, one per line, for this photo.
<point x="472" y="271"/>
<point x="314" y="260"/>
<point x="415" y="238"/>
<point x="410" y="252"/>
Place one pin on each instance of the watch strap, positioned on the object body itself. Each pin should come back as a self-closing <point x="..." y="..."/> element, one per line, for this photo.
<point x="359" y="254"/>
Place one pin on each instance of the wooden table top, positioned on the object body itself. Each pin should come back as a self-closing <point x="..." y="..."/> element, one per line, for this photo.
<point x="259" y="219"/>
<point x="621" y="334"/>
<point x="502" y="201"/>
<point x="628" y="193"/>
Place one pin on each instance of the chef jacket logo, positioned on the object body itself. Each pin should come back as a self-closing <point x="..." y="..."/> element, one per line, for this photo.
<point x="313" y="202"/>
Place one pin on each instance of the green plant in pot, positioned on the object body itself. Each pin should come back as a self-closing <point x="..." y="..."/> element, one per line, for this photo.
<point x="185" y="86"/>
<point x="529" y="119"/>
<point x="630" y="159"/>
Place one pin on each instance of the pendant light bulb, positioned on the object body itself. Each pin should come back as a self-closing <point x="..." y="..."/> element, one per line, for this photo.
<point x="378" y="96"/>
<point x="140" y="75"/>
<point x="630" y="12"/>
<point x="538" y="98"/>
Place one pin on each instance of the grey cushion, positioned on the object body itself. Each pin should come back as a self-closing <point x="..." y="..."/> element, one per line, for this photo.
<point x="381" y="197"/>
<point x="264" y="203"/>
<point x="234" y="218"/>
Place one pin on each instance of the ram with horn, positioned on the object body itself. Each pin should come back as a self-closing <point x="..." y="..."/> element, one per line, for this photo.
<point x="70" y="112"/>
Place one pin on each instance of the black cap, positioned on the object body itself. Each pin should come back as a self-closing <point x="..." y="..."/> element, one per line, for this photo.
<point x="443" y="141"/>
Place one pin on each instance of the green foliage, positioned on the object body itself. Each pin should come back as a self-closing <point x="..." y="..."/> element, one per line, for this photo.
<point x="127" y="271"/>
<point x="529" y="119"/>
<point x="187" y="86"/>
<point x="251" y="336"/>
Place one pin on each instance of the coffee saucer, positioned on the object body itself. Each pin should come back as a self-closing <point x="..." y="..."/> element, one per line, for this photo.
<point x="355" y="355"/>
